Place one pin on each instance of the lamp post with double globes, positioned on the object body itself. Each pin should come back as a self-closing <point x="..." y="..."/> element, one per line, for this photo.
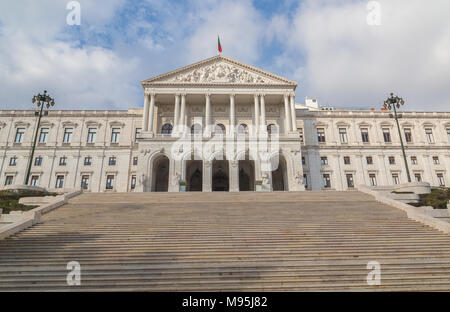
<point x="394" y="103"/>
<point x="41" y="100"/>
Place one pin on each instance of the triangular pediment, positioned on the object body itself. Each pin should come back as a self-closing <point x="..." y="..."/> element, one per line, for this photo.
<point x="219" y="70"/>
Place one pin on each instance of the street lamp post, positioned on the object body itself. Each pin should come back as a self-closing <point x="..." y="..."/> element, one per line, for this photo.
<point x="394" y="103"/>
<point x="41" y="100"/>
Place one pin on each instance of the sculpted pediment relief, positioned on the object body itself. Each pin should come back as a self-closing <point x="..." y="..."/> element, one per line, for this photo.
<point x="219" y="70"/>
<point x="221" y="73"/>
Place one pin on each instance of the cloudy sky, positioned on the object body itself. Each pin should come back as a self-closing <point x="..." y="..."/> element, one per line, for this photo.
<point x="328" y="47"/>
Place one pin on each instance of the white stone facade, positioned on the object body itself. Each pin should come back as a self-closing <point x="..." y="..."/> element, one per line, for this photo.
<point x="232" y="145"/>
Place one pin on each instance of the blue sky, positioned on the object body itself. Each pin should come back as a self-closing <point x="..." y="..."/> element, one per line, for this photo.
<point x="326" y="46"/>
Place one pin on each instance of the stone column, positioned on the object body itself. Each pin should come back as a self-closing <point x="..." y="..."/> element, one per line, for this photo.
<point x="145" y="117"/>
<point x="263" y="113"/>
<point x="207" y="176"/>
<point x="232" y="113"/>
<point x="152" y="112"/>
<point x="181" y="125"/>
<point x="176" y="114"/>
<point x="293" y="115"/>
<point x="287" y="110"/>
<point x="256" y="112"/>
<point x="234" y="175"/>
<point x="208" y="115"/>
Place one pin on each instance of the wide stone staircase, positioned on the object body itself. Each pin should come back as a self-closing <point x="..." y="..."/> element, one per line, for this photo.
<point x="299" y="241"/>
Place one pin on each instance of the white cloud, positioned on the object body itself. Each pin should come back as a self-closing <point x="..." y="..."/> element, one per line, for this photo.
<point x="351" y="64"/>
<point x="326" y="46"/>
<point x="239" y="25"/>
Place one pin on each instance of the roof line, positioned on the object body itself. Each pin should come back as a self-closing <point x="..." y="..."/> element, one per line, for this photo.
<point x="219" y="57"/>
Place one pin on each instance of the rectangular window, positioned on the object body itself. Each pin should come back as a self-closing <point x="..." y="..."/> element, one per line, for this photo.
<point x="59" y="181"/>
<point x="414" y="160"/>
<point x="321" y="135"/>
<point x="395" y="178"/>
<point x="9" y="180"/>
<point x="369" y="160"/>
<point x="110" y="182"/>
<point x="67" y="135"/>
<point x="34" y="180"/>
<point x="436" y="160"/>
<point x="373" y="179"/>
<point x="305" y="180"/>
<point x="137" y="134"/>
<point x="343" y="135"/>
<point x="87" y="161"/>
<point x="303" y="160"/>
<point x="324" y="160"/>
<point x="429" y="135"/>
<point x="418" y="177"/>
<point x="448" y="134"/>
<point x="387" y="135"/>
<point x="391" y="160"/>
<point x="85" y="182"/>
<point x="350" y="182"/>
<point x="19" y="135"/>
<point x="300" y="133"/>
<point x="365" y="135"/>
<point x="441" y="180"/>
<point x="115" y="135"/>
<point x="326" y="180"/>
<point x="347" y="160"/>
<point x="112" y="161"/>
<point x="38" y="161"/>
<point x="43" y="135"/>
<point x="135" y="161"/>
<point x="63" y="161"/>
<point x="133" y="182"/>
<point x="13" y="161"/>
<point x="408" y="135"/>
<point x="92" y="133"/>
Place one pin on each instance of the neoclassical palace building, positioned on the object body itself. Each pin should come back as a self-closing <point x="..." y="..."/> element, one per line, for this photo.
<point x="221" y="125"/>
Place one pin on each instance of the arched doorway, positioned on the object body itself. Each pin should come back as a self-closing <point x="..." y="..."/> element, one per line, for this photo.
<point x="194" y="175"/>
<point x="279" y="178"/>
<point x="160" y="174"/>
<point x="246" y="175"/>
<point x="220" y="174"/>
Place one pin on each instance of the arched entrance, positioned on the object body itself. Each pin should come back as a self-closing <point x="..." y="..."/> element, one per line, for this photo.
<point x="246" y="175"/>
<point x="194" y="175"/>
<point x="220" y="174"/>
<point x="160" y="174"/>
<point x="279" y="178"/>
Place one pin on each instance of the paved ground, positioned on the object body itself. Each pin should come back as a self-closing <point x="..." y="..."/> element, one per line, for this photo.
<point x="226" y="242"/>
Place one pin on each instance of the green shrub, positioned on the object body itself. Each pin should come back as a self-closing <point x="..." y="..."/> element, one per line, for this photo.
<point x="438" y="198"/>
<point x="9" y="199"/>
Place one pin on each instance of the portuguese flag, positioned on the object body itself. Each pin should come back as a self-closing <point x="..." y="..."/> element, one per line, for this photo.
<point x="219" y="47"/>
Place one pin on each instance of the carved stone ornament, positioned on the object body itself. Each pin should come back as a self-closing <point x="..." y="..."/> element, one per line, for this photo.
<point x="196" y="109"/>
<point x="177" y="178"/>
<point x="243" y="109"/>
<point x="299" y="177"/>
<point x="265" y="178"/>
<point x="220" y="109"/>
<point x="222" y="72"/>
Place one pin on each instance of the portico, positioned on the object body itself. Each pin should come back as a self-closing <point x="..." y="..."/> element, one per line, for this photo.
<point x="216" y="109"/>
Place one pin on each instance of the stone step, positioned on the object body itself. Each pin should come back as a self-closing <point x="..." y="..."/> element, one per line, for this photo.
<point x="283" y="241"/>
